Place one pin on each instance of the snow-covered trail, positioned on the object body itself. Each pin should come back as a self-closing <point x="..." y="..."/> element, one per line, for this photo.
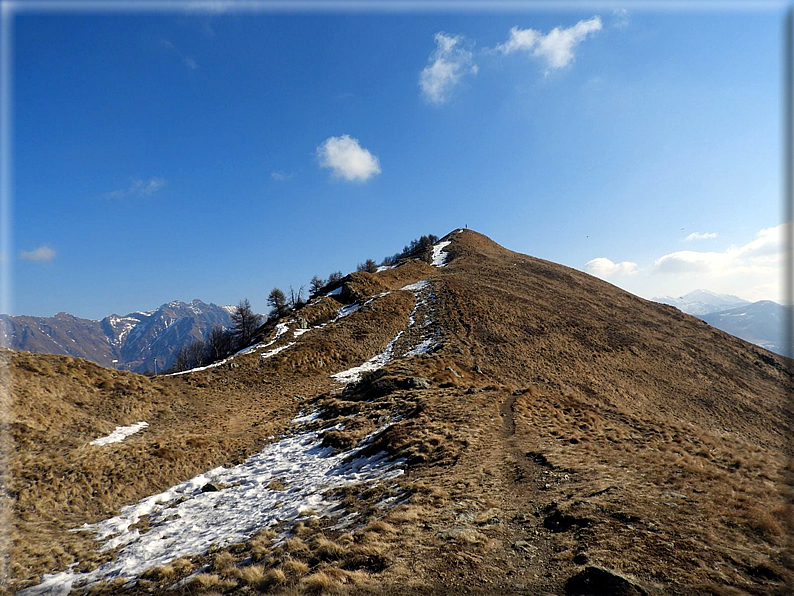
<point x="422" y="294"/>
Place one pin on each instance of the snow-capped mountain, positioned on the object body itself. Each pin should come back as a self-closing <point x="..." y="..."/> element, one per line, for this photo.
<point x="132" y="342"/>
<point x="702" y="302"/>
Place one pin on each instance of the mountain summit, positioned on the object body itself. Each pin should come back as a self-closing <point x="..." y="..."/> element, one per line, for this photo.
<point x="469" y="420"/>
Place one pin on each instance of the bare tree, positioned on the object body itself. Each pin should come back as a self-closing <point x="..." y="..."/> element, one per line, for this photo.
<point x="335" y="277"/>
<point x="296" y="298"/>
<point x="219" y="343"/>
<point x="245" y="322"/>
<point x="190" y="355"/>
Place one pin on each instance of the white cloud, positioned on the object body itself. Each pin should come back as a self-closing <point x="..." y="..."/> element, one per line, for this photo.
<point x="764" y="255"/>
<point x="556" y="47"/>
<point x="190" y="63"/>
<point x="604" y="268"/>
<point x="138" y="188"/>
<point x="690" y="261"/>
<point x="282" y="176"/>
<point x="446" y="66"/>
<point x="42" y="253"/>
<point x="700" y="236"/>
<point x="347" y="159"/>
<point x="753" y="270"/>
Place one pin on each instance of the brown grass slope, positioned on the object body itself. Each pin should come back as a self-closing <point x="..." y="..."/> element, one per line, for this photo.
<point x="569" y="438"/>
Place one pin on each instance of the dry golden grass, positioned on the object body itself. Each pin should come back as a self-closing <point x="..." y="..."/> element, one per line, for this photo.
<point x="328" y="550"/>
<point x="316" y="583"/>
<point x="294" y="569"/>
<point x="566" y="423"/>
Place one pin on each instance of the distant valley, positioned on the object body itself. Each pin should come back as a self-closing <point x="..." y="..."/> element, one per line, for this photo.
<point x="139" y="341"/>
<point x="759" y="322"/>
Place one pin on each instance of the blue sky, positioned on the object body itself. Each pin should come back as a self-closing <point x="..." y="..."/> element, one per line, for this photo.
<point x="164" y="157"/>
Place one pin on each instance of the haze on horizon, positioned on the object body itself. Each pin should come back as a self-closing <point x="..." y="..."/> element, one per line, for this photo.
<point x="216" y="155"/>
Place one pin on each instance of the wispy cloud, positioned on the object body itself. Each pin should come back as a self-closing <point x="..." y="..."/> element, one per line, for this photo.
<point x="620" y="18"/>
<point x="138" y="188"/>
<point x="347" y="159"/>
<point x="700" y="236"/>
<point x="604" y="268"/>
<point x="447" y="65"/>
<point x="41" y="254"/>
<point x="555" y="48"/>
<point x="186" y="60"/>
<point x="282" y="176"/>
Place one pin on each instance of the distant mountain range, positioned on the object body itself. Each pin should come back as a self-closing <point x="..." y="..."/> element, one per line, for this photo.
<point x="702" y="302"/>
<point x="131" y="342"/>
<point x="759" y="322"/>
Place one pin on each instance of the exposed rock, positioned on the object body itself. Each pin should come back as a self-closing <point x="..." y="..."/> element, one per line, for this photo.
<point x="525" y="546"/>
<point x="453" y="371"/>
<point x="462" y="534"/>
<point x="417" y="383"/>
<point x="600" y="581"/>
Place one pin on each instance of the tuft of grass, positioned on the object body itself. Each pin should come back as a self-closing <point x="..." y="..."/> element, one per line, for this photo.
<point x="316" y="583"/>
<point x="223" y="563"/>
<point x="274" y="577"/>
<point x="162" y="572"/>
<point x="296" y="546"/>
<point x="252" y="575"/>
<point x="207" y="581"/>
<point x="405" y="514"/>
<point x="328" y="550"/>
<point x="370" y="557"/>
<point x="182" y="565"/>
<point x="381" y="527"/>
<point x="293" y="568"/>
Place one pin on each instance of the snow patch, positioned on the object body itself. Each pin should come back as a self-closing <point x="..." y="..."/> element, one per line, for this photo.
<point x="352" y="375"/>
<point x="346" y="310"/>
<point x="416" y="287"/>
<point x="121" y="433"/>
<point x="423" y="348"/>
<point x="275" y="351"/>
<point x="183" y="520"/>
<point x="440" y="257"/>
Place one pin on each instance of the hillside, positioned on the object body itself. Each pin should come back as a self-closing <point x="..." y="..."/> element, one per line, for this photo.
<point x="131" y="342"/>
<point x="492" y="423"/>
